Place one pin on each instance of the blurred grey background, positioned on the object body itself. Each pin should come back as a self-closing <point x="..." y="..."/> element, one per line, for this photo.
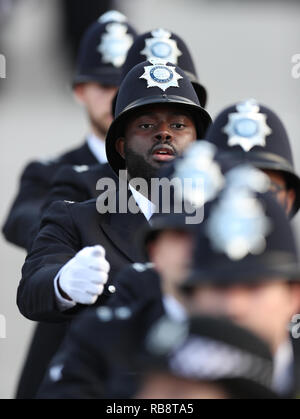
<point x="242" y="49"/>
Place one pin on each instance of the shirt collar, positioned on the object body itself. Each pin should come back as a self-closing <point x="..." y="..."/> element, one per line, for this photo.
<point x="283" y="363"/>
<point x="147" y="207"/>
<point x="97" y="148"/>
<point x="174" y="308"/>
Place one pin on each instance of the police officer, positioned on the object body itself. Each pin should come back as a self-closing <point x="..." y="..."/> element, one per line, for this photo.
<point x="252" y="133"/>
<point x="154" y="123"/>
<point x="103" y="366"/>
<point x="202" y="358"/>
<point x="101" y="55"/>
<point x="57" y="292"/>
<point x="79" y="183"/>
<point x="246" y="268"/>
<point x="199" y="358"/>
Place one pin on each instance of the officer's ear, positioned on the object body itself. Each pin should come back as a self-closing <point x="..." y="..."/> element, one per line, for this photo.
<point x="290" y="199"/>
<point x="79" y="93"/>
<point x="120" y="145"/>
<point x="295" y="300"/>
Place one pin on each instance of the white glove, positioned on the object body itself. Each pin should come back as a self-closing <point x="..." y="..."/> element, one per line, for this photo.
<point x="83" y="277"/>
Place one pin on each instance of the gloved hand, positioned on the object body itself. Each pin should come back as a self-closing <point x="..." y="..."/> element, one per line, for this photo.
<point x="82" y="279"/>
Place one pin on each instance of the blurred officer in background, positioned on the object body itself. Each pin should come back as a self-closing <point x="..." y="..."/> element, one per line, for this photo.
<point x="252" y="133"/>
<point x="101" y="55"/>
<point x="128" y="357"/>
<point x="202" y="358"/>
<point x="175" y="119"/>
<point x="246" y="268"/>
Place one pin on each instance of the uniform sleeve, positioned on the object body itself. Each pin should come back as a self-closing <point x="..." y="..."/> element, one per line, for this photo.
<point x="67" y="185"/>
<point x="55" y="244"/>
<point x="24" y="215"/>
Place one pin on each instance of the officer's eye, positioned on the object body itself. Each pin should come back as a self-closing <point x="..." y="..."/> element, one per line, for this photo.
<point x="177" y="125"/>
<point x="146" y="126"/>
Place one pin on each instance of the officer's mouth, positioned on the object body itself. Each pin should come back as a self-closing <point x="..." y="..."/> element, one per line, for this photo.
<point x="163" y="153"/>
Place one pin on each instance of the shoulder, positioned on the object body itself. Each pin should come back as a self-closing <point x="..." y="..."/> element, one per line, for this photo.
<point x="61" y="209"/>
<point x="137" y="269"/>
<point x="83" y="173"/>
<point x="105" y="319"/>
<point x="70" y="173"/>
<point x="138" y="279"/>
<point x="41" y="168"/>
<point x="47" y="167"/>
<point x="75" y="207"/>
<point x="69" y="158"/>
<point x="106" y="315"/>
<point x="87" y="171"/>
<point x="81" y="153"/>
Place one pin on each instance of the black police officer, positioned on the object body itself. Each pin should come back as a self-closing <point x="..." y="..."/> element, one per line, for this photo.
<point x="79" y="183"/>
<point x="112" y="231"/>
<point x="154" y="122"/>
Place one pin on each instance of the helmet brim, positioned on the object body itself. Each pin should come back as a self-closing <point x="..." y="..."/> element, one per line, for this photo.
<point x="244" y="273"/>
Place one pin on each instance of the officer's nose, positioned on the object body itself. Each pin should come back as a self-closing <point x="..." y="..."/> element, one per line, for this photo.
<point x="163" y="134"/>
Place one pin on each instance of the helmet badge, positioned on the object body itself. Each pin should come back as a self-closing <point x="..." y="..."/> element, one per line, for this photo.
<point x="247" y="127"/>
<point x="161" y="75"/>
<point x="115" y="44"/>
<point x="238" y="225"/>
<point x="161" y="46"/>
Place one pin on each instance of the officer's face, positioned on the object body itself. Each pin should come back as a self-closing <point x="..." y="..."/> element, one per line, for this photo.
<point x="167" y="386"/>
<point x="154" y="136"/>
<point x="265" y="307"/>
<point x="171" y="254"/>
<point x="285" y="197"/>
<point x="97" y="100"/>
